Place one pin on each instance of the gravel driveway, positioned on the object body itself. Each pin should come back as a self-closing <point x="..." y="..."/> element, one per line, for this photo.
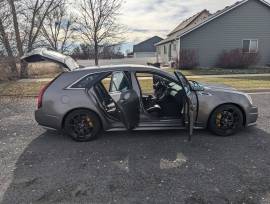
<point x="131" y="167"/>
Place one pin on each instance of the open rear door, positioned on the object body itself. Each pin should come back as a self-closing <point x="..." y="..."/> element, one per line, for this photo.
<point x="189" y="106"/>
<point x="126" y="99"/>
<point x="43" y="54"/>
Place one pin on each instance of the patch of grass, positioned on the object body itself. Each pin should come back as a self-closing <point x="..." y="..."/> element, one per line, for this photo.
<point x="20" y="89"/>
<point x="221" y="71"/>
<point x="241" y="83"/>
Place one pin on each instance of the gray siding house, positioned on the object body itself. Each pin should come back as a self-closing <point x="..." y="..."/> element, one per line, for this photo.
<point x="146" y="48"/>
<point x="244" y="25"/>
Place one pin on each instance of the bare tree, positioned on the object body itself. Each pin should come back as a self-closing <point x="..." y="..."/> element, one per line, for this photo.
<point x="27" y="18"/>
<point x="98" y="23"/>
<point x="59" y="29"/>
<point x="6" y="41"/>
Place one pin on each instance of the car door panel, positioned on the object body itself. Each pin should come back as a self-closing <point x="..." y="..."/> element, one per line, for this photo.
<point x="190" y="106"/>
<point x="126" y="100"/>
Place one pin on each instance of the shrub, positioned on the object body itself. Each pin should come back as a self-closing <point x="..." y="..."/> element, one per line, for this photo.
<point x="236" y="58"/>
<point x="188" y="59"/>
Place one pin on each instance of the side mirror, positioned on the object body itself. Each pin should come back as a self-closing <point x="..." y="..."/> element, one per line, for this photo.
<point x="195" y="86"/>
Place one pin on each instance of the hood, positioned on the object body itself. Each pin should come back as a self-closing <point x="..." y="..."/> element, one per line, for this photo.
<point x="44" y="54"/>
<point x="218" y="87"/>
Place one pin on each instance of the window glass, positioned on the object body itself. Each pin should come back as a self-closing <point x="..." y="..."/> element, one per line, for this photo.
<point x="119" y="82"/>
<point x="165" y="49"/>
<point x="253" y="46"/>
<point x="84" y="83"/>
<point x="174" y="47"/>
<point x="147" y="83"/>
<point x="246" y="45"/>
<point x="250" y="46"/>
<point x="106" y="82"/>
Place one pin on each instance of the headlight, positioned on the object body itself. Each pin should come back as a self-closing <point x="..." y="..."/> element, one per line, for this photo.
<point x="249" y="99"/>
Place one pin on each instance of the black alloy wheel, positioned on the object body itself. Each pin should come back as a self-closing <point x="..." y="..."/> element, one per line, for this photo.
<point x="226" y="120"/>
<point x="82" y="125"/>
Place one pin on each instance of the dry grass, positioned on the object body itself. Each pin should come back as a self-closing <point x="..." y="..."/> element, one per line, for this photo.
<point x="221" y="71"/>
<point x="44" y="70"/>
<point x="35" y="70"/>
<point x="241" y="83"/>
<point x="21" y="89"/>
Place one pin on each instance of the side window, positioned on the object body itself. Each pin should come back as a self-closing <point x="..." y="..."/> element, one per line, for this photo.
<point x="149" y="83"/>
<point x="84" y="82"/>
<point x="106" y="82"/>
<point x="119" y="82"/>
<point x="146" y="83"/>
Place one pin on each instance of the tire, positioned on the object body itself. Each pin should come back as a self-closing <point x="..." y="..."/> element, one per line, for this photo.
<point x="226" y="120"/>
<point x="82" y="125"/>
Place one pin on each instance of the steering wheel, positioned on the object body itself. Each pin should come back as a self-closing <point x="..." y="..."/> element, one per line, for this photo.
<point x="161" y="90"/>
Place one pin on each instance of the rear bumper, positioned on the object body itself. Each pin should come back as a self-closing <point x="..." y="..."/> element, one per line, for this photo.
<point x="252" y="116"/>
<point x="48" y="121"/>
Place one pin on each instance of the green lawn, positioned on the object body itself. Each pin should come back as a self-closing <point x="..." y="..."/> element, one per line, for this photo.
<point x="241" y="83"/>
<point x="221" y="71"/>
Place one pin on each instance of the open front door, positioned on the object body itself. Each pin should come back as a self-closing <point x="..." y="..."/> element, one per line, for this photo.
<point x="189" y="106"/>
<point x="126" y="99"/>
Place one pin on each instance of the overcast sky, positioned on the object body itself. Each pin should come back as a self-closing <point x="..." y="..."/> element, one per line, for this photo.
<point x="147" y="18"/>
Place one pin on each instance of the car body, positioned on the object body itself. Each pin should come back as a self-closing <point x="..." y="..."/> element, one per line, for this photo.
<point x="124" y="107"/>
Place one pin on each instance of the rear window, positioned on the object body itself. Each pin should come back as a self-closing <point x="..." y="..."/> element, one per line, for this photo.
<point x="85" y="82"/>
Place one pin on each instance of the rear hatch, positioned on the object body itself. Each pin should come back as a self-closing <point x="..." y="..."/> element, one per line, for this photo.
<point x="44" y="54"/>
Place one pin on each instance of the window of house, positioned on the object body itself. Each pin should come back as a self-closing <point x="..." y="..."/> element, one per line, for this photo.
<point x="174" y="46"/>
<point x="165" y="49"/>
<point x="158" y="50"/>
<point x="250" y="46"/>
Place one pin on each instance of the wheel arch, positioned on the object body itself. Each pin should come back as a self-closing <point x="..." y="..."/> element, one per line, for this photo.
<point x="80" y="108"/>
<point x="234" y="104"/>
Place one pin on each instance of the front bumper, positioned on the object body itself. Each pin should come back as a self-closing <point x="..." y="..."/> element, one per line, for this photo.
<point x="252" y="116"/>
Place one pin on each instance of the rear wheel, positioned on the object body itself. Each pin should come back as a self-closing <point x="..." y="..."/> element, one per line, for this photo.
<point x="226" y="120"/>
<point x="82" y="125"/>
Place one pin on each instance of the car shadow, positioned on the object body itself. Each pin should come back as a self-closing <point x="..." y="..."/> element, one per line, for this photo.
<point x="144" y="167"/>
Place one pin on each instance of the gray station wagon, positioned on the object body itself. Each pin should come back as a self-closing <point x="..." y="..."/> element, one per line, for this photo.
<point x="85" y="101"/>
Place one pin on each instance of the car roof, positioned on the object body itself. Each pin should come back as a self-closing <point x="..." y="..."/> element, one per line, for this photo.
<point x="122" y="67"/>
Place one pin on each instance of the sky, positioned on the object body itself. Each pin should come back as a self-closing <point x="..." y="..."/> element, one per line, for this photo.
<point x="147" y="18"/>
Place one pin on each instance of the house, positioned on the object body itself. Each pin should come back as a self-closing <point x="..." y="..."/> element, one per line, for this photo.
<point x="244" y="25"/>
<point x="146" y="48"/>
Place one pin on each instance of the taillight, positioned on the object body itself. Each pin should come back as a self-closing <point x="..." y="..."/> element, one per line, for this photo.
<point x="40" y="95"/>
<point x="42" y="91"/>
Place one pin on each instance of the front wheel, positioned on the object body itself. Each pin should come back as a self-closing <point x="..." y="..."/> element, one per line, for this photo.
<point x="226" y="120"/>
<point x="82" y="125"/>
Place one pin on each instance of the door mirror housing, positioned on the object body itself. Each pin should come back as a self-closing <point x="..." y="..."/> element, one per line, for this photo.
<point x="195" y="86"/>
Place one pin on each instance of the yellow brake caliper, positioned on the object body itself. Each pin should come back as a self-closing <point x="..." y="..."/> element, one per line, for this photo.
<point x="89" y="122"/>
<point x="218" y="119"/>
